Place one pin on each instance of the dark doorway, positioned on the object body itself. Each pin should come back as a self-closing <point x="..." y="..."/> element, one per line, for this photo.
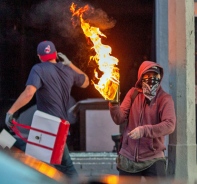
<point x="25" y="23"/>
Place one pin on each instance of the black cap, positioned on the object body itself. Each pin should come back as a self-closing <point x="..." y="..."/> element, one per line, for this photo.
<point x="153" y="69"/>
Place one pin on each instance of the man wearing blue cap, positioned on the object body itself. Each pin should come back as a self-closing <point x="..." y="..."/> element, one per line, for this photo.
<point x="52" y="82"/>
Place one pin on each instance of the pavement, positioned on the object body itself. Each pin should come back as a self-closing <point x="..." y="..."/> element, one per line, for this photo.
<point x="92" y="167"/>
<point x="94" y="163"/>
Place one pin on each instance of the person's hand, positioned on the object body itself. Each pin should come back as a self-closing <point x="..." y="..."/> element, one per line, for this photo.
<point x="66" y="61"/>
<point x="8" y="120"/>
<point x="135" y="134"/>
<point x="113" y="102"/>
<point x="116" y="100"/>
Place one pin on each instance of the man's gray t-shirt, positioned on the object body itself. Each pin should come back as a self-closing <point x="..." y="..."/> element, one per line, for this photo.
<point x="54" y="82"/>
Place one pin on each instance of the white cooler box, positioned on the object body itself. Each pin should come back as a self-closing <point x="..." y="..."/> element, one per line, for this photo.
<point x="47" y="137"/>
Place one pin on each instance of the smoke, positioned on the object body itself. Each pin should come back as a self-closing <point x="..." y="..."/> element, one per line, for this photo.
<point x="97" y="18"/>
<point x="56" y="17"/>
<point x="52" y="15"/>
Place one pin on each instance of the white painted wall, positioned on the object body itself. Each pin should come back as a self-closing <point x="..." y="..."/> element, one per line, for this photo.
<point x="99" y="128"/>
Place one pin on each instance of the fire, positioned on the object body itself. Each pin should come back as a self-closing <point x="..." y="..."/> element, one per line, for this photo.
<point x="108" y="83"/>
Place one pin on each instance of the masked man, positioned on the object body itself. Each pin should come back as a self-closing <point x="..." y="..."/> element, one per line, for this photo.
<point x="150" y="116"/>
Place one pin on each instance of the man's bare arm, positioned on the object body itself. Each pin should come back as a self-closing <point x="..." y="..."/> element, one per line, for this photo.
<point x="76" y="69"/>
<point x="67" y="62"/>
<point x="23" y="99"/>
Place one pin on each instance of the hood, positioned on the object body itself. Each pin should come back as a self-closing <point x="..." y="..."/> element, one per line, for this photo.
<point x="143" y="68"/>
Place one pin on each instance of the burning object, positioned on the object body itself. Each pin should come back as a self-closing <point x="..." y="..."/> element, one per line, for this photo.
<point x="108" y="83"/>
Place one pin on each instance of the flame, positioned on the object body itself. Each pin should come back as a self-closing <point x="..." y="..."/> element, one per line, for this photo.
<point x="38" y="165"/>
<point x="109" y="81"/>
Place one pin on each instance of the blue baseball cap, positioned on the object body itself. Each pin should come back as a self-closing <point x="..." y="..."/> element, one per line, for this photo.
<point x="46" y="50"/>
